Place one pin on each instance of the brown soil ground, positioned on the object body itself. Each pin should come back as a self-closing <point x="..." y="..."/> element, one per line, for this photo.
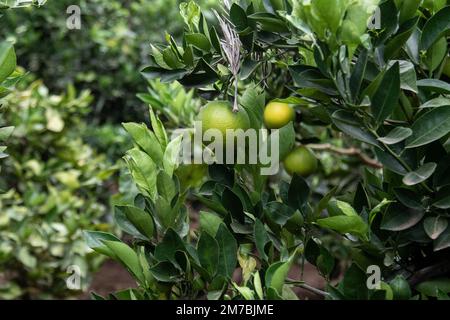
<point x="113" y="277"/>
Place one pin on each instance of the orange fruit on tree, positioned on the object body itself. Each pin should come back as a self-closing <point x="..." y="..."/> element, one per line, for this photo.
<point x="277" y="115"/>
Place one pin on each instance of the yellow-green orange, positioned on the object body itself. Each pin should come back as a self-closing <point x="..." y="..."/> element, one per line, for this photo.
<point x="301" y="161"/>
<point x="277" y="115"/>
<point x="219" y="115"/>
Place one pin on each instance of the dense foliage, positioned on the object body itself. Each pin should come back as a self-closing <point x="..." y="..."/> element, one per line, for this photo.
<point x="104" y="55"/>
<point x="56" y="185"/>
<point x="386" y="88"/>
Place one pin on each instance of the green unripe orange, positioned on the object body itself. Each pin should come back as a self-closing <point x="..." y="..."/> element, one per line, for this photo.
<point x="219" y="115"/>
<point x="277" y="115"/>
<point x="301" y="161"/>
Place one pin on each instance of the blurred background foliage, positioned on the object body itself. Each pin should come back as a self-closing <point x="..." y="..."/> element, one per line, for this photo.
<point x="68" y="140"/>
<point x="56" y="186"/>
<point x="105" y="55"/>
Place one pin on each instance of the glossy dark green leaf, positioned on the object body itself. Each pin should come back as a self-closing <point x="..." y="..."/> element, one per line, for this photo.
<point x="279" y="212"/>
<point x="434" y="226"/>
<point x="208" y="253"/>
<point x="430" y="127"/>
<point x="396" y="135"/>
<point x="434" y="85"/>
<point x="436" y="103"/>
<point x="399" y="218"/>
<point x="386" y="97"/>
<point x="166" y="249"/>
<point x="435" y="28"/>
<point x="269" y="22"/>
<point x="436" y="54"/>
<point x="261" y="238"/>
<point x="408" y="198"/>
<point x="298" y="193"/>
<point x="442" y="200"/>
<point x="233" y="204"/>
<point x="350" y="125"/>
<point x="198" y="40"/>
<point x="420" y="175"/>
<point x="238" y="17"/>
<point x="227" y="251"/>
<point x="443" y="242"/>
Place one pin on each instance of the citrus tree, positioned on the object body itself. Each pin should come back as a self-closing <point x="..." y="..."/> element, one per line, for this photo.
<point x="372" y="73"/>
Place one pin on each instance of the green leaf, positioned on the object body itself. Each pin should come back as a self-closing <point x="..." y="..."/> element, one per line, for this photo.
<point x="420" y="175"/>
<point x="442" y="200"/>
<point x="298" y="192"/>
<point x="276" y="275"/>
<point x="233" y="204"/>
<point x="127" y="257"/>
<point x="168" y="247"/>
<point x="165" y="272"/>
<point x="209" y="222"/>
<point x="408" y="198"/>
<point x="140" y="219"/>
<point x="199" y="41"/>
<point x="434" y="85"/>
<point x="279" y="212"/>
<point x="238" y="17"/>
<point x="345" y="224"/>
<point x="432" y="287"/>
<point x="227" y="252"/>
<point x="7" y="60"/>
<point x="166" y="186"/>
<point x="436" y="54"/>
<point x="398" y="218"/>
<point x="158" y="129"/>
<point x="386" y="97"/>
<point x="434" y="226"/>
<point x="269" y="22"/>
<point x="258" y="286"/>
<point x="436" y="103"/>
<point x="143" y="170"/>
<point x="171" y="155"/>
<point x="354" y="283"/>
<point x="146" y="140"/>
<point x="261" y="238"/>
<point x="245" y="292"/>
<point x="94" y="240"/>
<point x="443" y="242"/>
<point x="323" y="203"/>
<point x="430" y="127"/>
<point x="397" y="135"/>
<point x="349" y="124"/>
<point x="208" y="253"/>
<point x="435" y="28"/>
<point x="5" y="133"/>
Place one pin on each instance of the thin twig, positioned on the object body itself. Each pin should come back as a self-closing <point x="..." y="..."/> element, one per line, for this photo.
<point x="303" y="285"/>
<point x="348" y="152"/>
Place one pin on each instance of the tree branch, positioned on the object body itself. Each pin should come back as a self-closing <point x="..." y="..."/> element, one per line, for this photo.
<point x="348" y="152"/>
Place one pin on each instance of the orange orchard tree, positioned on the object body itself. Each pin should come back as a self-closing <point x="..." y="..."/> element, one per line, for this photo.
<point x="381" y="91"/>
